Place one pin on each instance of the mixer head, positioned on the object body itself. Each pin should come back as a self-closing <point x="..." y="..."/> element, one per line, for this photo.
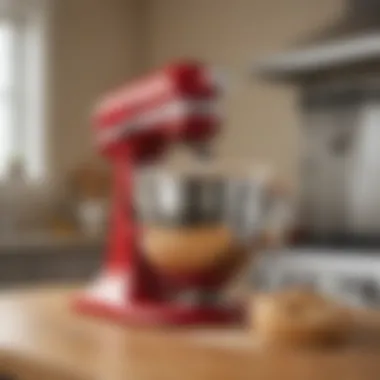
<point x="176" y="103"/>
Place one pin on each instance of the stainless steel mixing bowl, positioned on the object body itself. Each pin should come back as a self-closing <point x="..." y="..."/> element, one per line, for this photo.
<point x="175" y="199"/>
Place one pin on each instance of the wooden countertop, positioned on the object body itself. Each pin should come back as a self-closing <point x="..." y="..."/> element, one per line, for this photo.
<point x="41" y="338"/>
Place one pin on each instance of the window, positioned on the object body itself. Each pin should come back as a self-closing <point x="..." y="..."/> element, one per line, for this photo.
<point x="5" y="94"/>
<point x="22" y="84"/>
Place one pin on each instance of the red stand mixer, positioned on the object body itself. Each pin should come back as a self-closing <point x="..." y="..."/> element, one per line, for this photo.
<point x="134" y="126"/>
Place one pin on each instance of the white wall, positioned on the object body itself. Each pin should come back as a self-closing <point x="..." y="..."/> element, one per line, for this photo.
<point x="92" y="45"/>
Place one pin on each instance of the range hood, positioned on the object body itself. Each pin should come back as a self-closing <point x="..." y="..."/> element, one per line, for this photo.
<point x="352" y="40"/>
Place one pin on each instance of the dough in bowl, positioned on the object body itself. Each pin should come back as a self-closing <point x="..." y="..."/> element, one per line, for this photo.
<point x="186" y="250"/>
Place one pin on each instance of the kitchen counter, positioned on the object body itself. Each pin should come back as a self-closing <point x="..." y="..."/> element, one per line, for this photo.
<point x="41" y="338"/>
<point x="33" y="241"/>
<point x="35" y="259"/>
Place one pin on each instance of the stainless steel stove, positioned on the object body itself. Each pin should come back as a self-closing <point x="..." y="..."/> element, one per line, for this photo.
<point x="338" y="74"/>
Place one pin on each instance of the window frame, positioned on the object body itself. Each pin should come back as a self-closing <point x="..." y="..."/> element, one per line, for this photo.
<point x="28" y="87"/>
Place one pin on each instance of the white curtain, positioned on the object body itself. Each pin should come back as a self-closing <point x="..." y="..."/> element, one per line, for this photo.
<point x="23" y="32"/>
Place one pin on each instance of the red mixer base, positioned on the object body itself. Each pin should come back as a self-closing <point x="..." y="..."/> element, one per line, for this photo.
<point x="118" y="309"/>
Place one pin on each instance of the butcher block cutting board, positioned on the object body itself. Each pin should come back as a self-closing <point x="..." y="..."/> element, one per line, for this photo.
<point x="41" y="338"/>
